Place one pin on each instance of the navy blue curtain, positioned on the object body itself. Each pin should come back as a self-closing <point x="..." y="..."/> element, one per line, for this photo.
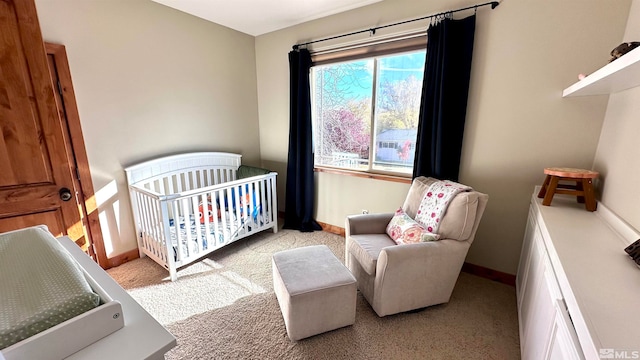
<point x="299" y="196"/>
<point x="445" y="91"/>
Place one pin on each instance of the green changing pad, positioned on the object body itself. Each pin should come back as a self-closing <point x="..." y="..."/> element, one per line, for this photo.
<point x="245" y="171"/>
<point x="41" y="285"/>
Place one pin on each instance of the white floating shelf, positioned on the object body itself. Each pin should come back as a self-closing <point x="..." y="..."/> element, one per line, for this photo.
<point x="622" y="74"/>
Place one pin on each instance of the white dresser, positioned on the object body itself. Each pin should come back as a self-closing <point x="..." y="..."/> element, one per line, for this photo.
<point x="578" y="291"/>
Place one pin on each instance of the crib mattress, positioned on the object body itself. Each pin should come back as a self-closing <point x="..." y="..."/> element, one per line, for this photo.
<point x="40" y="285"/>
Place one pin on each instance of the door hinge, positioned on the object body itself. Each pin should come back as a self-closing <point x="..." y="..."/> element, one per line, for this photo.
<point x="77" y="173"/>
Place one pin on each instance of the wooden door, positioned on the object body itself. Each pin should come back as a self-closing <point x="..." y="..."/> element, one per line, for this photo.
<point x="36" y="181"/>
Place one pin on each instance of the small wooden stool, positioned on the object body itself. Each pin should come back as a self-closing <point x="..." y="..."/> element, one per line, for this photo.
<point x="583" y="188"/>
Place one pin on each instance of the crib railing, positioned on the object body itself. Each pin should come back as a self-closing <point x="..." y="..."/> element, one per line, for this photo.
<point x="181" y="226"/>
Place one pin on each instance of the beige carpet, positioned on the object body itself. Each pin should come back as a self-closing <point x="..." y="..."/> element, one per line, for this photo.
<point x="223" y="307"/>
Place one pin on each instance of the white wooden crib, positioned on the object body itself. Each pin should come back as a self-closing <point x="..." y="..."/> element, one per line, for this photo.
<point x="186" y="206"/>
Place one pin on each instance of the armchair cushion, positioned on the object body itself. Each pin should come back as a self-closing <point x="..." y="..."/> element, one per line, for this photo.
<point x="460" y="216"/>
<point x="418" y="189"/>
<point x="404" y="230"/>
<point x="366" y="249"/>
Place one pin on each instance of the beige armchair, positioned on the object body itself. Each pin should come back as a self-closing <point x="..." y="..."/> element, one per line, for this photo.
<point x="398" y="278"/>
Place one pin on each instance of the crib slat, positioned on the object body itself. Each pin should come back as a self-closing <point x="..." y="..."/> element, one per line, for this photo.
<point x="145" y="222"/>
<point x="161" y="188"/>
<point x="269" y="199"/>
<point x="205" y="215"/>
<point x="189" y="224"/>
<point x="274" y="204"/>
<point x="184" y="178"/>
<point x="167" y="250"/>
<point x="239" y="192"/>
<point x="192" y="179"/>
<point x="178" y="234"/>
<point x="234" y="212"/>
<point x="156" y="229"/>
<point x="201" y="179"/>
<point x="254" y="201"/>
<point x="210" y="223"/>
<point x="216" y="210"/>
<point x="224" y="212"/>
<point x="183" y="181"/>
<point x="178" y="183"/>
<point x="263" y="205"/>
<point x="140" y="218"/>
<point x="171" y="186"/>
<point x="150" y="225"/>
<point x="247" y="206"/>
<point x="208" y="178"/>
<point x="244" y="208"/>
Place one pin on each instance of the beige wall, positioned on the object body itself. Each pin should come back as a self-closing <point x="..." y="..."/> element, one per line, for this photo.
<point x="151" y="81"/>
<point x="618" y="155"/>
<point x="526" y="52"/>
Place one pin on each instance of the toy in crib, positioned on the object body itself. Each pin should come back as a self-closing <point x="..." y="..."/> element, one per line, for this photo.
<point x="209" y="211"/>
<point x="245" y="202"/>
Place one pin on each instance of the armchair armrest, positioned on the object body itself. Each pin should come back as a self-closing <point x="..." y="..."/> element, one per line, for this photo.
<point x="367" y="223"/>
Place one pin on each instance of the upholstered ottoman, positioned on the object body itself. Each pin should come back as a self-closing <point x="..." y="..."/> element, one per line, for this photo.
<point x="315" y="291"/>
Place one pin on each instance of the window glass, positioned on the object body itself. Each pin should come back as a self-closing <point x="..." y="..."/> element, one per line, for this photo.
<point x="351" y="133"/>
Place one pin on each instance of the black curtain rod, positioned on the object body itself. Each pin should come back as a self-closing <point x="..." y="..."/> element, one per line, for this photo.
<point x="493" y="4"/>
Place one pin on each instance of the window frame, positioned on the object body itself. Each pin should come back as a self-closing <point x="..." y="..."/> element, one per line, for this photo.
<point x="396" y="45"/>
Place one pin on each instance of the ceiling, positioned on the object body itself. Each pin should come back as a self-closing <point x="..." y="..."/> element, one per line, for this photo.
<point x="257" y="17"/>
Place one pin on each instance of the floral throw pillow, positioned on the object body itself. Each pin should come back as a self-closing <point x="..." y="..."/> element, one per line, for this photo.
<point x="404" y="230"/>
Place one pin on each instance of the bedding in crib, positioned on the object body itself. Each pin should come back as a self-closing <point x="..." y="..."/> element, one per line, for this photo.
<point x="216" y="236"/>
<point x="41" y="285"/>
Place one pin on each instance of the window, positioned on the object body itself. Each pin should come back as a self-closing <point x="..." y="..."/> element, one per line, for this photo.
<point x="365" y="112"/>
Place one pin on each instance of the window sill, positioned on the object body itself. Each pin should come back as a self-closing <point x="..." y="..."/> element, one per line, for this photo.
<point x="400" y="179"/>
